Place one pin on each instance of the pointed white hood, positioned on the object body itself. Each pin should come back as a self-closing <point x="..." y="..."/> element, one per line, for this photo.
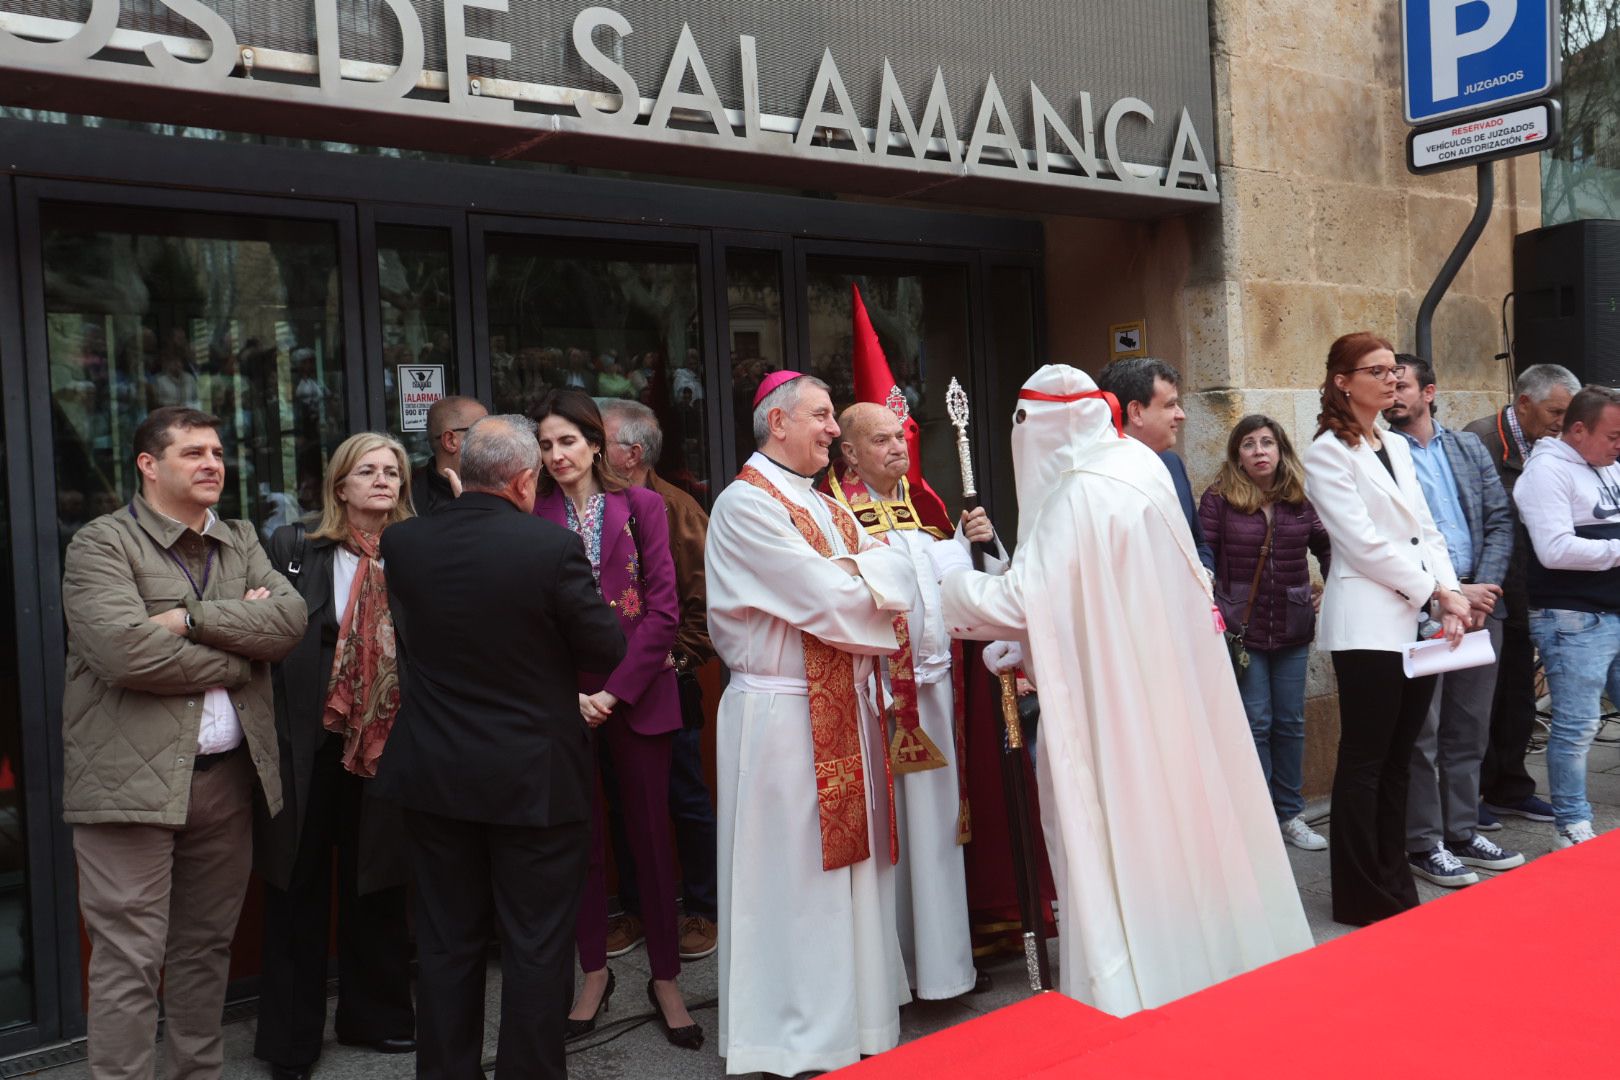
<point x="1061" y="420"/>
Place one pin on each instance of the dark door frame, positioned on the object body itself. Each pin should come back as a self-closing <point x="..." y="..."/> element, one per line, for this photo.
<point x="113" y="166"/>
<point x="50" y="632"/>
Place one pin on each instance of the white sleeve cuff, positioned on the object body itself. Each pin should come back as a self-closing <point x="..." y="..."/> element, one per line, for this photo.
<point x="949" y="559"/>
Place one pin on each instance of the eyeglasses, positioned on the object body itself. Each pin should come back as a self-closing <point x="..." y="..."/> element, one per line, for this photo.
<point x="1380" y="371"/>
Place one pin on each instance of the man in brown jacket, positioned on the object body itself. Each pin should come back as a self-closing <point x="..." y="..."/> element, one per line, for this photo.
<point x="174" y="618"/>
<point x="634" y="443"/>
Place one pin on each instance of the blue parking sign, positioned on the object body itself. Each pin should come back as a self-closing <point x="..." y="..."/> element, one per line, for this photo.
<point x="1463" y="56"/>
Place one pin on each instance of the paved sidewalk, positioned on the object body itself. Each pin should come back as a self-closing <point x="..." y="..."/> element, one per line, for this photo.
<point x="627" y="1044"/>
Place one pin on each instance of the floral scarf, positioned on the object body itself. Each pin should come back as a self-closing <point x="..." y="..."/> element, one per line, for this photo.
<point x="363" y="696"/>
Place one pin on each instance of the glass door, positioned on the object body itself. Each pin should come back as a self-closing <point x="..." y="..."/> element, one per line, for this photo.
<point x="620" y="315"/>
<point x="135" y="299"/>
<point x="418" y="333"/>
<point x="920" y="312"/>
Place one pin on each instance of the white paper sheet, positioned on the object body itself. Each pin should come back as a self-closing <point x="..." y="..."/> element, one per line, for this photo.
<point x="1436" y="656"/>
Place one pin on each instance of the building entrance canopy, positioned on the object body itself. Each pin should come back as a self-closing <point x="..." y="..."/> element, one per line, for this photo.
<point x="1102" y="109"/>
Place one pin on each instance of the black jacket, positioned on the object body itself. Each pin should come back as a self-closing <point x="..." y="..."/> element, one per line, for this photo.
<point x="495" y="612"/>
<point x="1189" y="509"/>
<point x="301" y="682"/>
<point x="429" y="489"/>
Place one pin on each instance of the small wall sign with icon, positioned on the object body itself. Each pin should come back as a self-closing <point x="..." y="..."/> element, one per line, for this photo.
<point x="1127" y="339"/>
<point x="420" y="385"/>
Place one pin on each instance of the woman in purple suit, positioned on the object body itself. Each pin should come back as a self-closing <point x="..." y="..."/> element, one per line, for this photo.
<point x="635" y="708"/>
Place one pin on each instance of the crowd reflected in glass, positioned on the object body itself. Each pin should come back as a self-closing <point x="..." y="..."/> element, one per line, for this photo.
<point x="239" y="317"/>
<point x="614" y="320"/>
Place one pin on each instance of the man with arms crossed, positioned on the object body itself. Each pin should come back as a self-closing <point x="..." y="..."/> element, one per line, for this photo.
<point x="174" y="618"/>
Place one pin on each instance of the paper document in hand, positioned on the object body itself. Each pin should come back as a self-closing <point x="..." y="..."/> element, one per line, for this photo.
<point x="1437" y="656"/>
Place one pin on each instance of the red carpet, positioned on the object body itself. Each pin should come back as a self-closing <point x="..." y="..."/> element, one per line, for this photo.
<point x="1514" y="977"/>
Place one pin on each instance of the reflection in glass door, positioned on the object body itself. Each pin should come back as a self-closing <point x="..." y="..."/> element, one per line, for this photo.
<point x="416" y="296"/>
<point x="754" y="325"/>
<point x="920" y="313"/>
<point x="16" y="936"/>
<point x="613" y="319"/>
<point x="240" y="317"/>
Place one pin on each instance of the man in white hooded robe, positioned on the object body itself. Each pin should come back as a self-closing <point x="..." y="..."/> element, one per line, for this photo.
<point x="1171" y="875"/>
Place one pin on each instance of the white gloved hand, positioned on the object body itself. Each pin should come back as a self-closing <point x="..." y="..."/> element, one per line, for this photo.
<point x="1000" y="656"/>
<point x="949" y="558"/>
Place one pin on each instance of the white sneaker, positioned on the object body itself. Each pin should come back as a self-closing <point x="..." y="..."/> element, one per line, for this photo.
<point x="1578" y="833"/>
<point x="1302" y="836"/>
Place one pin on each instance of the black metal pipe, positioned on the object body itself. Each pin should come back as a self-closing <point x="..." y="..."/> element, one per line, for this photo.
<point x="1459" y="255"/>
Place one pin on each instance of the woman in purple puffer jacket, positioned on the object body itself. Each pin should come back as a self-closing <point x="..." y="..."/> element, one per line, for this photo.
<point x="1256" y="503"/>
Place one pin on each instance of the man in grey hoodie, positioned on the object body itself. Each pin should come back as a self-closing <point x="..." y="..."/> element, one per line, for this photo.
<point x="1569" y="500"/>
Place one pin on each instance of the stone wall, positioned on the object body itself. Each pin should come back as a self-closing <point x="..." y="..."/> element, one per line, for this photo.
<point x="1321" y="230"/>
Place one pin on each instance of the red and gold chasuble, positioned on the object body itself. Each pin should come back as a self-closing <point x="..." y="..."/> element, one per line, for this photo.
<point x="835" y="719"/>
<point x="911" y="750"/>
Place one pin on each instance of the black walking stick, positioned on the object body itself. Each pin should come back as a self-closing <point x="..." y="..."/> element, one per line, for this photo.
<point x="1014" y="787"/>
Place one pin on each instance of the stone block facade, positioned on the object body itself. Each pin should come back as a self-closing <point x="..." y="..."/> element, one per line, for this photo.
<point x="1321" y="230"/>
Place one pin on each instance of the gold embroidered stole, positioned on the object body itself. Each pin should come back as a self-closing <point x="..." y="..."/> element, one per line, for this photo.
<point x="835" y="731"/>
<point x="911" y="750"/>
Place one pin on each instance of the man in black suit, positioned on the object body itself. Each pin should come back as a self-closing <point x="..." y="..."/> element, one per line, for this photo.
<point x="495" y="613"/>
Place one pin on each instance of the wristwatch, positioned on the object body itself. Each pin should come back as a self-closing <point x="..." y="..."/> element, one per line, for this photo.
<point x="191" y="626"/>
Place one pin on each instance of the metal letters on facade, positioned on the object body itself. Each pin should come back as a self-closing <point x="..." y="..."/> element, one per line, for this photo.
<point x="1048" y="146"/>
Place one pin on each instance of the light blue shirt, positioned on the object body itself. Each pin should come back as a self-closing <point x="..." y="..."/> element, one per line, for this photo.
<point x="1440" y="492"/>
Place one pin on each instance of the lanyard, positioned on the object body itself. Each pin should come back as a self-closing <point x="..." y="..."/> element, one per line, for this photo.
<point x="208" y="564"/>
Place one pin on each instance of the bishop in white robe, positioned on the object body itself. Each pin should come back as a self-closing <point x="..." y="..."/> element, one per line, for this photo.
<point x="811" y="976"/>
<point x="1171" y="874"/>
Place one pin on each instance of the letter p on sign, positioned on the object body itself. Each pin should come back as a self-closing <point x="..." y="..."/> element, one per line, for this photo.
<point x="1447" y="45"/>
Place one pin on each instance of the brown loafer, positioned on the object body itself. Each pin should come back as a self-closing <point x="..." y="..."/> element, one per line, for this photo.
<point x="624" y="933"/>
<point x="699" y="937"/>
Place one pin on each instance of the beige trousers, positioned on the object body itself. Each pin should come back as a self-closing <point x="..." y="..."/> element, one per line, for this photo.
<point x="163" y="902"/>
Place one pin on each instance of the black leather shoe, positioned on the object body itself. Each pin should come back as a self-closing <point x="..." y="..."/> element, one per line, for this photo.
<point x="383" y="1046"/>
<point x="573" y="1029"/>
<point x="689" y="1037"/>
<point x="981" y="982"/>
<point x="289" y="1072"/>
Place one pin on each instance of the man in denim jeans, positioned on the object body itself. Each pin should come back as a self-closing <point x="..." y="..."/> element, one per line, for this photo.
<point x="1569" y="499"/>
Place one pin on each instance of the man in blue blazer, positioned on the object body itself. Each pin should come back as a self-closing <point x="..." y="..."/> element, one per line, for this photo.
<point x="1149" y="394"/>
<point x="1470" y="508"/>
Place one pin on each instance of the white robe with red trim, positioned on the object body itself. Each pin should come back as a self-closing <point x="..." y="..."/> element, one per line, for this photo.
<point x="811" y="976"/>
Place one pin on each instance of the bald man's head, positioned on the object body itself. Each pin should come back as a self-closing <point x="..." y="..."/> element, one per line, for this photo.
<point x="874" y="445"/>
<point x="448" y="421"/>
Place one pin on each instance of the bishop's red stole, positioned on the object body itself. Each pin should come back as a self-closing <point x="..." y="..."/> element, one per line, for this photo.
<point x="835" y="719"/>
<point x="912" y="750"/>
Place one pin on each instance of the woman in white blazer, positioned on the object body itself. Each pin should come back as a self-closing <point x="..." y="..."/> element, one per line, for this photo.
<point x="1389" y="562"/>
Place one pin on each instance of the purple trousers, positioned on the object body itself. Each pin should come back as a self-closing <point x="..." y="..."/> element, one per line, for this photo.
<point x="642" y="764"/>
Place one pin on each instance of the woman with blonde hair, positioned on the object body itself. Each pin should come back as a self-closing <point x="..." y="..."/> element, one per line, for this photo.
<point x="1261" y="526"/>
<point x="336" y="697"/>
<point x="1390" y="568"/>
